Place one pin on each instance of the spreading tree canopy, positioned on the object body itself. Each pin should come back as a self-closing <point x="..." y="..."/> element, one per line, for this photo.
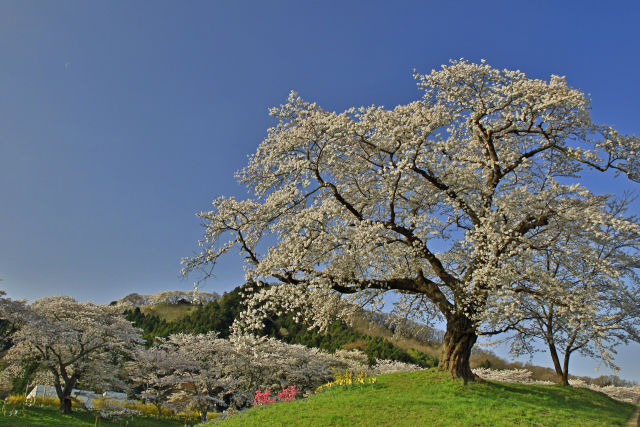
<point x="439" y="200"/>
<point x="74" y="343"/>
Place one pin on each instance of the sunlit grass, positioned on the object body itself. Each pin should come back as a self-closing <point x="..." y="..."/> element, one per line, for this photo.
<point x="51" y="417"/>
<point x="169" y="312"/>
<point x="430" y="398"/>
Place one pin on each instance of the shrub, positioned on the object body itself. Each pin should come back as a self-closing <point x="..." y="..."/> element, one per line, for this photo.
<point x="347" y="379"/>
<point x="147" y="409"/>
<point x="262" y="397"/>
<point x="14" y="401"/>
<point x="288" y="394"/>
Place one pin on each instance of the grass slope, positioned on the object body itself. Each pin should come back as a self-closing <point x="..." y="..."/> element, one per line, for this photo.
<point x="169" y="312"/>
<point x="51" y="417"/>
<point x="430" y="397"/>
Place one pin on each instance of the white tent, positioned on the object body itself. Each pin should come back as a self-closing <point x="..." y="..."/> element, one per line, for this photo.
<point x="112" y="395"/>
<point x="43" y="391"/>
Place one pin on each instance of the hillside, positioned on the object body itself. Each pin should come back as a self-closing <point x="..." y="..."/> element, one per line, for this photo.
<point x="166" y="297"/>
<point x="218" y="315"/>
<point x="430" y="397"/>
<point x="375" y="334"/>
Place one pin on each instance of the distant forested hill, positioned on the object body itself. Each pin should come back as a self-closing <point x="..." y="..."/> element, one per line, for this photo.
<point x="218" y="315"/>
<point x="376" y="334"/>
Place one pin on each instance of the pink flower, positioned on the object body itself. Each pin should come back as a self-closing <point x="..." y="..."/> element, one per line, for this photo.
<point x="262" y="397"/>
<point x="288" y="394"/>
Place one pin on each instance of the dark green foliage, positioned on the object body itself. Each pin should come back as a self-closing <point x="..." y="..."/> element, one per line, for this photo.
<point x="151" y="325"/>
<point x="28" y="369"/>
<point x="216" y="316"/>
<point x="219" y="315"/>
<point x="486" y="364"/>
<point x="6" y="329"/>
<point x="337" y="335"/>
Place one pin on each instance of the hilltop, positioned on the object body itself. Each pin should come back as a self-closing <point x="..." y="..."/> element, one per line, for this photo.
<point x="429" y="397"/>
<point x="166" y="297"/>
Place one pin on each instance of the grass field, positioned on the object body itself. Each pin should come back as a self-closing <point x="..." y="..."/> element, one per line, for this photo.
<point x="51" y="417"/>
<point x="429" y="397"/>
<point x="169" y="312"/>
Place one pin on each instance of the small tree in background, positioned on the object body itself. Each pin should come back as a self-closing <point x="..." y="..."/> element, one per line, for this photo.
<point x="156" y="371"/>
<point x="74" y="342"/>
<point x="203" y="383"/>
<point x="582" y="293"/>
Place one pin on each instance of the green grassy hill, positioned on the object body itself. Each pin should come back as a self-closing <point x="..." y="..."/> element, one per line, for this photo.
<point x="423" y="398"/>
<point x="431" y="398"/>
<point x="169" y="312"/>
<point x="51" y="417"/>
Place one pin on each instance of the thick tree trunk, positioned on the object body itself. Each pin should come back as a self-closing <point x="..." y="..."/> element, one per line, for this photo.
<point x="65" y="405"/>
<point x="458" y="342"/>
<point x="64" y="391"/>
<point x="561" y="374"/>
<point x="565" y="370"/>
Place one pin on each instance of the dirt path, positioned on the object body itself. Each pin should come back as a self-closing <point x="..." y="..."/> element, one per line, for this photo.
<point x="635" y="420"/>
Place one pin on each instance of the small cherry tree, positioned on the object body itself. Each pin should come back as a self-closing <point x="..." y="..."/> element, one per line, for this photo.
<point x="583" y="293"/>
<point x="436" y="200"/>
<point x="73" y="342"/>
<point x="202" y="383"/>
<point x="157" y="372"/>
<point x="218" y="373"/>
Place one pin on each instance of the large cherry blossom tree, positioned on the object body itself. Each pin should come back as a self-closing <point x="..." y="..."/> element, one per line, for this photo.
<point x="433" y="200"/>
<point x="74" y="342"/>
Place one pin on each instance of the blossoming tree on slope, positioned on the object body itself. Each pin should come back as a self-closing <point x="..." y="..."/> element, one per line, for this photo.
<point x="74" y="342"/>
<point x="432" y="200"/>
<point x="582" y="293"/>
<point x="157" y="372"/>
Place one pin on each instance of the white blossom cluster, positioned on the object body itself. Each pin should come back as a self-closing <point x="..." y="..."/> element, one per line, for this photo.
<point x="11" y="312"/>
<point x="625" y="394"/>
<point x="382" y="367"/>
<point x="205" y="372"/>
<point x="73" y="343"/>
<point x="523" y="376"/>
<point x="452" y="201"/>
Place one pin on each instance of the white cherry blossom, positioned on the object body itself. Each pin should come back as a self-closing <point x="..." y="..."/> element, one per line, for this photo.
<point x="438" y="200"/>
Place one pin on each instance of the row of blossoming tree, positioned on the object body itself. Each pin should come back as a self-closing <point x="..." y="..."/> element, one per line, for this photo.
<point x="470" y="203"/>
<point x="82" y="345"/>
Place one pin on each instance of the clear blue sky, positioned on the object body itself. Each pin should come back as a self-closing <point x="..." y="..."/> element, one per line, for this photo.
<point x="120" y="120"/>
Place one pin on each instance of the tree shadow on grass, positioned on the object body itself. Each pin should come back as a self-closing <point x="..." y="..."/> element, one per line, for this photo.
<point x="560" y="397"/>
